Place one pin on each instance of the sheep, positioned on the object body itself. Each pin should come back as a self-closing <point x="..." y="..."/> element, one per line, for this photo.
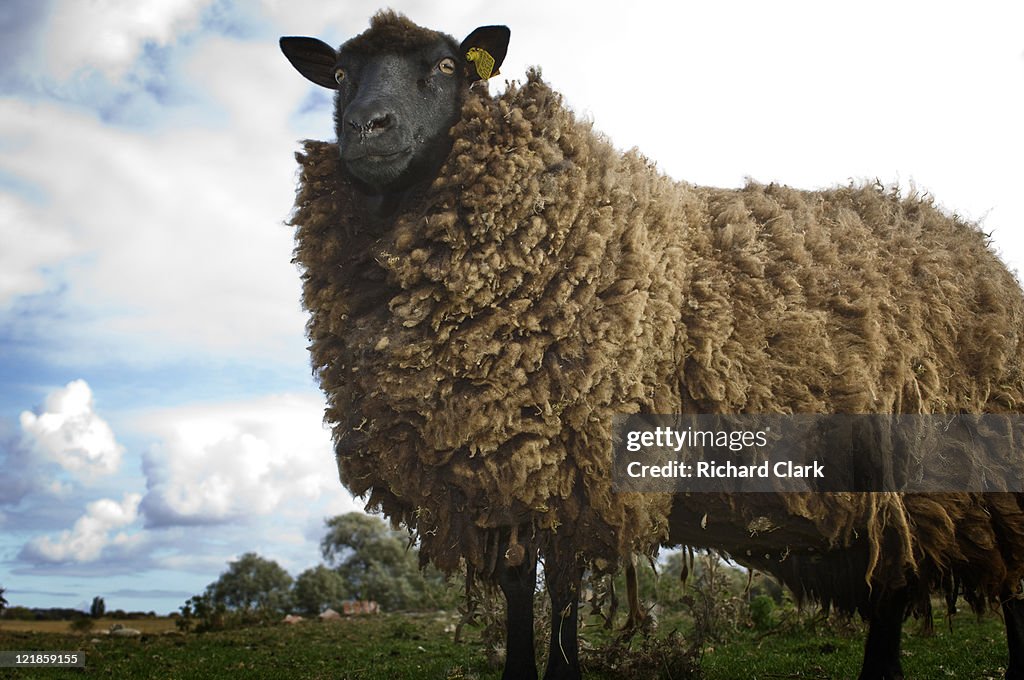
<point x="490" y="282"/>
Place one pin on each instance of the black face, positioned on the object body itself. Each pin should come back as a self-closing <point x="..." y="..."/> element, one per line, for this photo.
<point x="397" y="100"/>
<point x="393" y="113"/>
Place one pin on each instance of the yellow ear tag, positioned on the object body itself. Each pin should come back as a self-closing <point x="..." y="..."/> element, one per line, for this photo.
<point x="483" y="60"/>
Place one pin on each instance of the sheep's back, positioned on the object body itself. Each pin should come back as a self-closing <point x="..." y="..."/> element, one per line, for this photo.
<point x="853" y="300"/>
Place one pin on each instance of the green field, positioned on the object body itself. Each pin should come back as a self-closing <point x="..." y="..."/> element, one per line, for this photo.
<point x="397" y="646"/>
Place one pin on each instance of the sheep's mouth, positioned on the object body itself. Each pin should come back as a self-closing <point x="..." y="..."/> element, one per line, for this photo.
<point x="378" y="167"/>
<point x="380" y="157"/>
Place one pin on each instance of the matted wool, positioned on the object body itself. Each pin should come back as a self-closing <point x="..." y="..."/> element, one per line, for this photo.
<point x="474" y="347"/>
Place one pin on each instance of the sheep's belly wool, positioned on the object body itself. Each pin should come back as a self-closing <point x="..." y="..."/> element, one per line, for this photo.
<point x="474" y="347"/>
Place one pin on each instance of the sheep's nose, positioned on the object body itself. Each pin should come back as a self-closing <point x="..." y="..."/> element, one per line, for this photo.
<point x="370" y="119"/>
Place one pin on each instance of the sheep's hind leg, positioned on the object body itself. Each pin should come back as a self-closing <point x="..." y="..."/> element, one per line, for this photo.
<point x="563" y="575"/>
<point x="885" y="623"/>
<point x="1013" y="617"/>
<point x="518" y="584"/>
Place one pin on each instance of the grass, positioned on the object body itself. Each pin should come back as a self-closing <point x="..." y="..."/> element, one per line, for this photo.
<point x="153" y="625"/>
<point x="389" y="647"/>
<point x="974" y="649"/>
<point x="397" y="647"/>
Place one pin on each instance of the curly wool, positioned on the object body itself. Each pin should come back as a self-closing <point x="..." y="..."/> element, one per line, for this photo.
<point x="393" y="33"/>
<point x="474" y="348"/>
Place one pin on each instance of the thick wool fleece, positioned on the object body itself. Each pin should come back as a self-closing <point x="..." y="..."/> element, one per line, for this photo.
<point x="393" y="33"/>
<point x="475" y="346"/>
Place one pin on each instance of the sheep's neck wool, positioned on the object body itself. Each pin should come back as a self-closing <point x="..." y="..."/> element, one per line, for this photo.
<point x="475" y="347"/>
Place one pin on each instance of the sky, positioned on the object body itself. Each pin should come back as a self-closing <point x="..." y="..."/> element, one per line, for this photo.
<point x="158" y="417"/>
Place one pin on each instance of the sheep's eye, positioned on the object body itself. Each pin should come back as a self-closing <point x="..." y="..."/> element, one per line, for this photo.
<point x="339" y="75"/>
<point x="446" y="66"/>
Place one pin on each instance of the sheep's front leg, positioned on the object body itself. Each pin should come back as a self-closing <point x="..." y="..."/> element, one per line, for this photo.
<point x="518" y="584"/>
<point x="885" y="623"/>
<point x="563" y="575"/>
<point x="1013" y="617"/>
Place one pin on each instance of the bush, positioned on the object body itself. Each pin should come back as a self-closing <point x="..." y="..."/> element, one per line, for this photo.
<point x="762" y="609"/>
<point x="82" y="625"/>
<point x="403" y="629"/>
<point x="19" y="613"/>
<point x="203" y="613"/>
<point x="317" y="589"/>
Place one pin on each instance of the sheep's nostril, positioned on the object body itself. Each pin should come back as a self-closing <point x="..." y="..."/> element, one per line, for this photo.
<point x="370" y="121"/>
<point x="380" y="123"/>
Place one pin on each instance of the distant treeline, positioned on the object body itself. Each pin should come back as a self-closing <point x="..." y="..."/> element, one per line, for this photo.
<point x="62" y="614"/>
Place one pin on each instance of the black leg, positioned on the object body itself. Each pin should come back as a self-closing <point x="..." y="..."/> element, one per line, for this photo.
<point x="885" y="623"/>
<point x="518" y="584"/>
<point x="562" y="575"/>
<point x="1013" y="616"/>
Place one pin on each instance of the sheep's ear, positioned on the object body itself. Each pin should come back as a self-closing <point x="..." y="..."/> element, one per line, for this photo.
<point x="485" y="49"/>
<point x="313" y="58"/>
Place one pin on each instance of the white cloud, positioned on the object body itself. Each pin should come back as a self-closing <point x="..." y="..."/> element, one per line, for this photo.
<point x="316" y="18"/>
<point x="170" y="241"/>
<point x="109" y="35"/>
<point x="38" y="246"/>
<point x="91" y="535"/>
<point x="70" y="433"/>
<point x="229" y="462"/>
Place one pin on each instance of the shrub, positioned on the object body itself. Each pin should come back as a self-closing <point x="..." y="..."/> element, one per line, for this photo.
<point x="762" y="609"/>
<point x="82" y="625"/>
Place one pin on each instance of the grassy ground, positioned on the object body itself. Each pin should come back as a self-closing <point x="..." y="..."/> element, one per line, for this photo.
<point x="154" y="625"/>
<point x="974" y="649"/>
<point x="390" y="647"/>
<point x="396" y="647"/>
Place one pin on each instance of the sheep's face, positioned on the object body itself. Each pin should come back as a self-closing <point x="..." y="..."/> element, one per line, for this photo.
<point x="393" y="113"/>
<point x="399" y="91"/>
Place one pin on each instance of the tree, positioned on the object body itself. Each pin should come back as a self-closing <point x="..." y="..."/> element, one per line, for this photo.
<point x="318" y="588"/>
<point x="358" y="540"/>
<point x="98" y="607"/>
<point x="202" y="613"/>
<point x="3" y="600"/>
<point x="252" y="582"/>
<point x="376" y="564"/>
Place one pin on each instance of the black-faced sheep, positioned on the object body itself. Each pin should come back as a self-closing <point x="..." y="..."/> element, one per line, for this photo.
<point x="489" y="282"/>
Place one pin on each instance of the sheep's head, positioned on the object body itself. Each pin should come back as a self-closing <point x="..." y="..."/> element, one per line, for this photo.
<point x="399" y="88"/>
